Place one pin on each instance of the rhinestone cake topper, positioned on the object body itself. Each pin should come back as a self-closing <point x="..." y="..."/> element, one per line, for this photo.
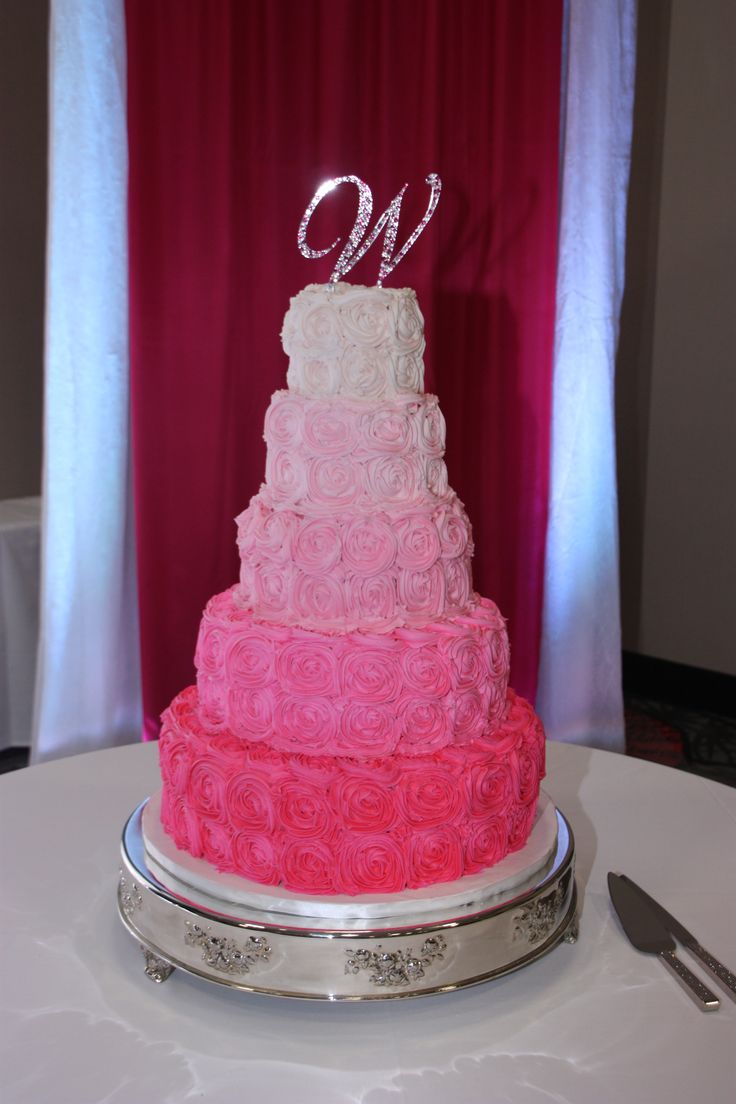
<point x="354" y="249"/>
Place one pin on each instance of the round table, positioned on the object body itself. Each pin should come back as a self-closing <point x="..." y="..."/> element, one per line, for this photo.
<point x="595" y="1021"/>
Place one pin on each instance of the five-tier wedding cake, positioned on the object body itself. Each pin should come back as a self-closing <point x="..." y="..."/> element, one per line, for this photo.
<point x="351" y="730"/>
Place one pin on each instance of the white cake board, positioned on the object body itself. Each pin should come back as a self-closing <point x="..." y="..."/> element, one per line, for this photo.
<point x="190" y="877"/>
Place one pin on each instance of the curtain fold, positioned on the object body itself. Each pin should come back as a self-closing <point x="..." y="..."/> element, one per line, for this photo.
<point x="236" y="113"/>
<point x="88" y="679"/>
<point x="580" y="697"/>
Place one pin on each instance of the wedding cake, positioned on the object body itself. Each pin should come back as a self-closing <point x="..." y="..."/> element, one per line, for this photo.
<point x="352" y="730"/>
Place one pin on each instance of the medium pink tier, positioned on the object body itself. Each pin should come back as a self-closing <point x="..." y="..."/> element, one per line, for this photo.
<point x="411" y="691"/>
<point x="319" y="824"/>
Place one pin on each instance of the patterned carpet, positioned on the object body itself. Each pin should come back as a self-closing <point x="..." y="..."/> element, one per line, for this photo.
<point x="697" y="741"/>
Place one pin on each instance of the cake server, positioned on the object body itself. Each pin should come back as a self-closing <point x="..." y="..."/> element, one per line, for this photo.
<point x="682" y="935"/>
<point x="647" y="933"/>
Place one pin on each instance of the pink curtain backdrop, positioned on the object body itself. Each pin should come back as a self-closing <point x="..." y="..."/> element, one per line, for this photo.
<point x="236" y="113"/>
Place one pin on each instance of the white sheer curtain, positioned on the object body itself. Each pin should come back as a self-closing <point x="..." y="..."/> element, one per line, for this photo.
<point x="579" y="695"/>
<point x="88" y="681"/>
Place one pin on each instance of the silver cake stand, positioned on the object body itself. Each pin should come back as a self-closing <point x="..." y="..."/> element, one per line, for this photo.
<point x="310" y="957"/>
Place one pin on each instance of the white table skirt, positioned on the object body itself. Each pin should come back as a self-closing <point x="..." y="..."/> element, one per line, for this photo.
<point x="20" y="540"/>
<point x="595" y="1023"/>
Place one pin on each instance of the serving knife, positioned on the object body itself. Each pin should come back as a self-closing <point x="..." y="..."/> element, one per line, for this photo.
<point x="647" y="933"/>
<point x="680" y="932"/>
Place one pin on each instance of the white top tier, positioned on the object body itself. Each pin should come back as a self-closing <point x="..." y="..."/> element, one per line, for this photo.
<point x="358" y="342"/>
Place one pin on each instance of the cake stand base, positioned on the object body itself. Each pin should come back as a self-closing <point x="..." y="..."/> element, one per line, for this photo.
<point x="318" y="958"/>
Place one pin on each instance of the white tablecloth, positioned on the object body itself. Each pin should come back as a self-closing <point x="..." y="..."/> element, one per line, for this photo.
<point x="20" y="538"/>
<point x="594" y="1023"/>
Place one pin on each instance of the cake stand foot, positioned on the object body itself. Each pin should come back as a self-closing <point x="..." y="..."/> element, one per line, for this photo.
<point x="571" y="935"/>
<point x="157" y="969"/>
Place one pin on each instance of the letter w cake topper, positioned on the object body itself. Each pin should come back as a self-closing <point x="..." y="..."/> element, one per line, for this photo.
<point x="354" y="249"/>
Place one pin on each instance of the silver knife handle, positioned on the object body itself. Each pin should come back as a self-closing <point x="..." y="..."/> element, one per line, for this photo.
<point x="702" y="995"/>
<point x="721" y="972"/>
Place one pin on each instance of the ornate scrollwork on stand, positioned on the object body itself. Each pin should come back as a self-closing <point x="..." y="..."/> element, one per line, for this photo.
<point x="130" y="896"/>
<point x="225" y="954"/>
<point x="535" y="922"/>
<point x="396" y="968"/>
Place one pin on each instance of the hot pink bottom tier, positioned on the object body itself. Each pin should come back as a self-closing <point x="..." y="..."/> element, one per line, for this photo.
<point x="337" y="825"/>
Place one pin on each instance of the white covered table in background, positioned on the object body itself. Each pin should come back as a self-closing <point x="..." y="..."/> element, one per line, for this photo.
<point x="594" y="1023"/>
<point x="20" y="540"/>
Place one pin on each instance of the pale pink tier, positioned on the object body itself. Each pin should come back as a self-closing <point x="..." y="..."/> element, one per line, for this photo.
<point x="354" y="571"/>
<point x="318" y="824"/>
<point x="411" y="691"/>
<point x="332" y="455"/>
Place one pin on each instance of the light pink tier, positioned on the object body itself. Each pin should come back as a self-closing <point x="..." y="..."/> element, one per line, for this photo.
<point x="354" y="571"/>
<point x="408" y="691"/>
<point x="318" y="824"/>
<point x="327" y="456"/>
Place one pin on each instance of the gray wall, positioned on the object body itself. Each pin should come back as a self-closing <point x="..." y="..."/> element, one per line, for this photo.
<point x="677" y="353"/>
<point x="23" y="52"/>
